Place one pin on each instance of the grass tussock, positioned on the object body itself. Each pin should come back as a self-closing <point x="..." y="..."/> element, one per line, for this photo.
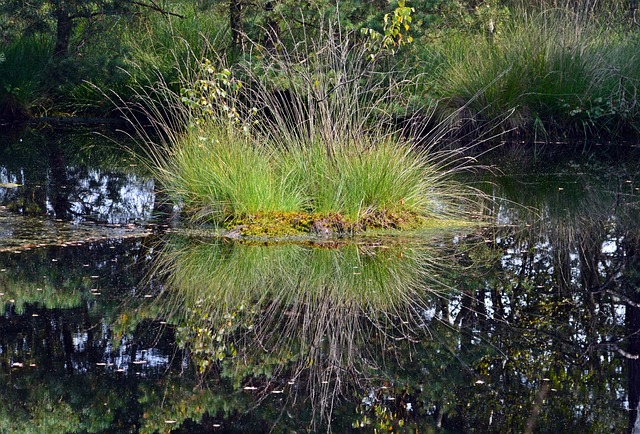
<point x="555" y="72"/>
<point x="305" y="144"/>
<point x="20" y="75"/>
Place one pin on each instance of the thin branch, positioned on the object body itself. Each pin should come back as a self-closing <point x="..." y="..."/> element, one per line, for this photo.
<point x="155" y="7"/>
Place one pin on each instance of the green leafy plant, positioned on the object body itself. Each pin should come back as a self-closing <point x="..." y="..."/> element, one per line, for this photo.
<point x="212" y="94"/>
<point x="395" y="30"/>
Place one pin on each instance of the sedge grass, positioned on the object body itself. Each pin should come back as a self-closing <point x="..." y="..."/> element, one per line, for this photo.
<point x="554" y="71"/>
<point x="21" y="74"/>
<point x="310" y="134"/>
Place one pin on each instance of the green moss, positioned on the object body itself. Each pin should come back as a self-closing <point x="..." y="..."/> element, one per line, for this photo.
<point x="273" y="224"/>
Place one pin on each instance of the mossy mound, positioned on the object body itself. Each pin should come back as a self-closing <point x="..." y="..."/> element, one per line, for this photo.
<point x="273" y="224"/>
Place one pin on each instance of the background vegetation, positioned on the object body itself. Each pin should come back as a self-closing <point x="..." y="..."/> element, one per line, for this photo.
<point x="554" y="68"/>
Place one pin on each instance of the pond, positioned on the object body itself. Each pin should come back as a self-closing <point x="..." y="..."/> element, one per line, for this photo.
<point x="114" y="318"/>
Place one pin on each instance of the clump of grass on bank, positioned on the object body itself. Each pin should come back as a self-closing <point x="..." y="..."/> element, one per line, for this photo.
<point x="306" y="141"/>
<point x="557" y="73"/>
<point x="21" y="76"/>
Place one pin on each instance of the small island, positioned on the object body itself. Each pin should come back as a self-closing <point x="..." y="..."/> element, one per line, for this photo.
<point x="314" y="147"/>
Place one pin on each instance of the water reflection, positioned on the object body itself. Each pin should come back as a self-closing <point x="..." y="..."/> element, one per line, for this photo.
<point x="76" y="177"/>
<point x="64" y="367"/>
<point x="573" y="257"/>
<point x="314" y="319"/>
<point x="530" y="325"/>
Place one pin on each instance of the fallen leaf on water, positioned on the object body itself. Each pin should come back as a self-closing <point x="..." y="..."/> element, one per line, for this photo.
<point x="10" y="185"/>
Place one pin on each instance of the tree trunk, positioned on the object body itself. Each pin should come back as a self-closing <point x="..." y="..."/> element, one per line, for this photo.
<point x="235" y="23"/>
<point x="272" y="28"/>
<point x="64" y="25"/>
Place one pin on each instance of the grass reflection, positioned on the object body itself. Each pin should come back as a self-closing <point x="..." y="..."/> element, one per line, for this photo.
<point x="270" y="316"/>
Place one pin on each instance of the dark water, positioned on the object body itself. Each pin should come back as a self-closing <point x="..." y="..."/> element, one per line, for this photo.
<point x="110" y="324"/>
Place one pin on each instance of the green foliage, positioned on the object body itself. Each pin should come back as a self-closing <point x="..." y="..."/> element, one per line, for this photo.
<point x="212" y="95"/>
<point x="548" y="69"/>
<point x="395" y="30"/>
<point x="21" y="75"/>
<point x="208" y="337"/>
<point x="493" y="58"/>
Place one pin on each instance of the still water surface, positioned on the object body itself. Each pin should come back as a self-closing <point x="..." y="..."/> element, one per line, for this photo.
<point x="114" y="320"/>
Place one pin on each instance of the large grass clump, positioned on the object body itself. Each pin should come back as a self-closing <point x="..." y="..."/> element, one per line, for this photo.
<point x="21" y="76"/>
<point x="555" y="72"/>
<point x="304" y="143"/>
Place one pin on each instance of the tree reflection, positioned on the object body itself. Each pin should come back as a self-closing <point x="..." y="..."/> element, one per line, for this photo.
<point x="79" y="177"/>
